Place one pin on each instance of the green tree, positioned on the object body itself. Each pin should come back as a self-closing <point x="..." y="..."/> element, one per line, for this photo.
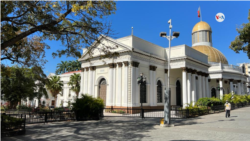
<point x="21" y="83"/>
<point x="242" y="41"/>
<point x="54" y="85"/>
<point x="76" y="24"/>
<point x="74" y="83"/>
<point x="61" y="67"/>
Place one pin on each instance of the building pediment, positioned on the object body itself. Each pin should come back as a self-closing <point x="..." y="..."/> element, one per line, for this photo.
<point x="103" y="46"/>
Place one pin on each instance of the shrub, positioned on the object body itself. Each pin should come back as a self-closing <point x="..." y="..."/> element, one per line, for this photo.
<point x="205" y="101"/>
<point x="59" y="109"/>
<point x="7" y="123"/>
<point x="87" y="107"/>
<point x="23" y="107"/>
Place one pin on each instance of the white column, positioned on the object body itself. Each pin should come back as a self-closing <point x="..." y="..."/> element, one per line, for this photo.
<point x="200" y="85"/>
<point x="85" y="87"/>
<point x="93" y="82"/>
<point x="114" y="85"/>
<point x="184" y="87"/>
<point x="193" y="88"/>
<point x="125" y="85"/>
<point x="208" y="88"/>
<point x="242" y="88"/>
<point x="90" y="82"/>
<point x="82" y="82"/>
<point x="110" y="86"/>
<point x="203" y="86"/>
<point x="154" y="87"/>
<point x="151" y="99"/>
<point x="133" y="85"/>
<point x="231" y="85"/>
<point x="189" y="87"/>
<point x="221" y="90"/>
<point x="119" y="85"/>
<point x="239" y="88"/>
<point x="137" y="96"/>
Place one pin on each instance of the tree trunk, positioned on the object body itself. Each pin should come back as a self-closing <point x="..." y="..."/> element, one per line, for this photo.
<point x="55" y="101"/>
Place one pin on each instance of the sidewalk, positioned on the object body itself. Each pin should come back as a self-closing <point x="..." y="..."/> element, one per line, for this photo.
<point x="208" y="127"/>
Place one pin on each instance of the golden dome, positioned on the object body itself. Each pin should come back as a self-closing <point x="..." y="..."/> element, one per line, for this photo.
<point x="201" y="26"/>
<point x="214" y="55"/>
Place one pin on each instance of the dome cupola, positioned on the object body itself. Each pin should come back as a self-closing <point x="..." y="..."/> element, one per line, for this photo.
<point x="202" y="34"/>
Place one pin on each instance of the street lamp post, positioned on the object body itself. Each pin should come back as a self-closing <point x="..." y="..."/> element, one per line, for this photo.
<point x="167" y="93"/>
<point x="142" y="81"/>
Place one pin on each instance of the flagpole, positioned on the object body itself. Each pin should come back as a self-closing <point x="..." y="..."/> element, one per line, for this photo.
<point x="200" y="14"/>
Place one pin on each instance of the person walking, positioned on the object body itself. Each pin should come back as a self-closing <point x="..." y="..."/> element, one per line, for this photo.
<point x="227" y="108"/>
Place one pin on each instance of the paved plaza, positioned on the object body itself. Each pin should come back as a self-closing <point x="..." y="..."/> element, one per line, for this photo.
<point x="208" y="127"/>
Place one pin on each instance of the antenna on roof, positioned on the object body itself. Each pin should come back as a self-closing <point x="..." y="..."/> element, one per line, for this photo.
<point x="132" y="30"/>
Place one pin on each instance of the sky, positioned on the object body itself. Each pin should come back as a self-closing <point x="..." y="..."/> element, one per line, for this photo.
<point x="148" y="19"/>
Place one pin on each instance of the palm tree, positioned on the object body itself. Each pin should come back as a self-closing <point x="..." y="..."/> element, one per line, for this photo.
<point x="61" y="67"/>
<point x="74" y="82"/>
<point x="69" y="66"/>
<point x="54" y="85"/>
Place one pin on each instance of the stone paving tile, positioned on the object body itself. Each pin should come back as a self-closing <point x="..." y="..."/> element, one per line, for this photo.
<point x="209" y="127"/>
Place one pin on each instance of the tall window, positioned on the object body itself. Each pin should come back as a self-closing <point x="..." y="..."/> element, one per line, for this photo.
<point x="159" y="92"/>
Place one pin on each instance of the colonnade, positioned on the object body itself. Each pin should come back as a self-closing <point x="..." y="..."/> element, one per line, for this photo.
<point x="194" y="85"/>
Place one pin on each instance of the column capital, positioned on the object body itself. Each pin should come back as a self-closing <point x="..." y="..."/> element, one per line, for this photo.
<point x="194" y="71"/>
<point x="126" y="63"/>
<point x="230" y="80"/>
<point x="152" y="68"/>
<point x="92" y="68"/>
<point x="112" y="65"/>
<point x="135" y="64"/>
<point x="184" y="69"/>
<point x="220" y="79"/>
<point x="82" y="69"/>
<point x="87" y="68"/>
<point x="189" y="70"/>
<point x="119" y="64"/>
<point x="199" y="73"/>
<point x="206" y="74"/>
<point x="166" y="70"/>
<point x="238" y="81"/>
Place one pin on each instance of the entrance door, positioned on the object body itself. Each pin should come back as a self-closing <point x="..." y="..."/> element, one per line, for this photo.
<point x="178" y="93"/>
<point x="53" y="103"/>
<point x="213" y="92"/>
<point x="103" y="90"/>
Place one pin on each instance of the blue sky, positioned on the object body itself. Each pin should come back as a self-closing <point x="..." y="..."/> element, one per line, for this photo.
<point x="150" y="18"/>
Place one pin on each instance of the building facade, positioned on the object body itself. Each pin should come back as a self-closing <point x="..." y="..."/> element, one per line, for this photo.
<point x="196" y="72"/>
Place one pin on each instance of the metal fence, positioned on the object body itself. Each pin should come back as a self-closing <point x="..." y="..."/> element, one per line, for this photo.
<point x="176" y="113"/>
<point x="11" y="128"/>
<point x="44" y="117"/>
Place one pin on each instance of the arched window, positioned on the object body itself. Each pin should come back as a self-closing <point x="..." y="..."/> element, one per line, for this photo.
<point x="213" y="92"/>
<point x="159" y="92"/>
<point x="178" y="93"/>
<point x="102" y="90"/>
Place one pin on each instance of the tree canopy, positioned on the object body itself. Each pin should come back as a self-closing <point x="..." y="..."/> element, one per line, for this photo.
<point x="242" y="41"/>
<point x="74" y="83"/>
<point x="25" y="25"/>
<point x="67" y="66"/>
<point x="54" y="85"/>
<point x="21" y="83"/>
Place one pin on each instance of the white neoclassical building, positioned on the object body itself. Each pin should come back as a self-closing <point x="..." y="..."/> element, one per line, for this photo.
<point x="196" y="72"/>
